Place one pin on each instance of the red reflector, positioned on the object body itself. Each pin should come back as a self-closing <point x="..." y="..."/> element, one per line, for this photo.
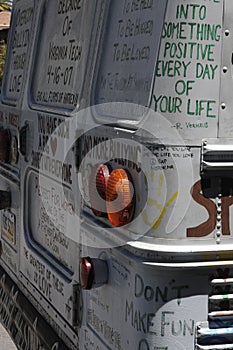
<point x="86" y="273"/>
<point x="120" y="198"/>
<point x="98" y="187"/>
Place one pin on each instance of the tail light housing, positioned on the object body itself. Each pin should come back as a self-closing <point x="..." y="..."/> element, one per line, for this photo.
<point x="111" y="195"/>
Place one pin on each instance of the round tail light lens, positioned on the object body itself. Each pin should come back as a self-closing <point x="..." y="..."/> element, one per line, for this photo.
<point x="97" y="190"/>
<point x="120" y="199"/>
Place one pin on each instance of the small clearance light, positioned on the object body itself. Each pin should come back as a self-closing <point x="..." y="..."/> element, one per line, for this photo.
<point x="120" y="199"/>
<point x="93" y="272"/>
<point x="86" y="273"/>
<point x="98" y="190"/>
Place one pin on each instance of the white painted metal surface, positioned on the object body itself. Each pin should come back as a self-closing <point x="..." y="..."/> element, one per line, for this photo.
<point x="6" y="341"/>
<point x="161" y="68"/>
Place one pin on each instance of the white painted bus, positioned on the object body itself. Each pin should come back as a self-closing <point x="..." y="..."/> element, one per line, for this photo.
<point x="116" y="175"/>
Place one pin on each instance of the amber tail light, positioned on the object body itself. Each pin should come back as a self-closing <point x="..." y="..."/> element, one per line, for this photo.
<point x="111" y="195"/>
<point x="120" y="200"/>
<point x="97" y="190"/>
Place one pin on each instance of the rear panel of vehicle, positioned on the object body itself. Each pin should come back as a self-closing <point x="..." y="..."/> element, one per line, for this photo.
<point x="134" y="85"/>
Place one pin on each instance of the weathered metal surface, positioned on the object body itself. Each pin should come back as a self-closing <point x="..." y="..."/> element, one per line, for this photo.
<point x="6" y="341"/>
<point x="129" y="53"/>
<point x="61" y="53"/>
<point x="26" y="327"/>
<point x="133" y="54"/>
<point x="18" y="49"/>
